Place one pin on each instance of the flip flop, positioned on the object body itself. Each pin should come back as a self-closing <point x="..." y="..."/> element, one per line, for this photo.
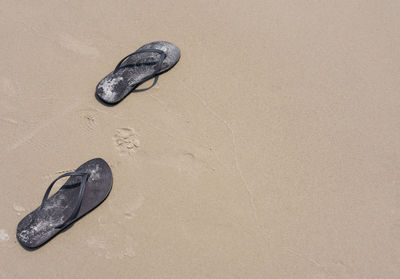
<point x="86" y="188"/>
<point x="147" y="62"/>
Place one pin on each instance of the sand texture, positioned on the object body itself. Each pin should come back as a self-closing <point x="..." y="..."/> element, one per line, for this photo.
<point x="271" y="150"/>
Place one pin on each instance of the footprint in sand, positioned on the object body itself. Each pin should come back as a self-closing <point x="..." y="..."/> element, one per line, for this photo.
<point x="126" y="141"/>
<point x="88" y="119"/>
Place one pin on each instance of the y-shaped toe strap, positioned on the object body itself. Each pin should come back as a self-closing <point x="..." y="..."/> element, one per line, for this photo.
<point x="157" y="63"/>
<point x="80" y="196"/>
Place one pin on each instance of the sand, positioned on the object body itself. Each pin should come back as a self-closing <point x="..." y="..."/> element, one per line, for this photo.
<point x="271" y="150"/>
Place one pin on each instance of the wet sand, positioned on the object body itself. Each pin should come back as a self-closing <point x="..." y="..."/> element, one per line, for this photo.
<point x="271" y="150"/>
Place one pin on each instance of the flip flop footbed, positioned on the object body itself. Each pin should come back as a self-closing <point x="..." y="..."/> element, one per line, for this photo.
<point x="41" y="225"/>
<point x="136" y="69"/>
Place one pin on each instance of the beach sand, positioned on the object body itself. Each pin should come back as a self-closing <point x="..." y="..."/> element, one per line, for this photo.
<point x="271" y="150"/>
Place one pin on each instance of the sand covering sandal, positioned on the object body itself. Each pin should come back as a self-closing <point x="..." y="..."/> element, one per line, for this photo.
<point x="145" y="63"/>
<point x="86" y="188"/>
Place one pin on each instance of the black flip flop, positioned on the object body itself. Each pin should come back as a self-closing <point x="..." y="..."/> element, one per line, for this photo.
<point x="147" y="62"/>
<point x="86" y="188"/>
